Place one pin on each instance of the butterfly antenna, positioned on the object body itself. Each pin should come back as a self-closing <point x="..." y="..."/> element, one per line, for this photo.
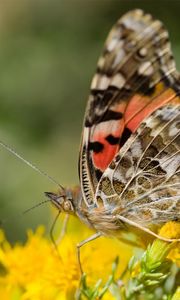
<point x="12" y="151"/>
<point x="3" y="221"/>
<point x="35" y="206"/>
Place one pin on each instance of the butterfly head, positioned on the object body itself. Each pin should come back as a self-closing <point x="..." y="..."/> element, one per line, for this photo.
<point x="64" y="200"/>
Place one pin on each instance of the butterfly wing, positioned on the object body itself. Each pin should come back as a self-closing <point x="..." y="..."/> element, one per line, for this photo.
<point x="135" y="75"/>
<point x="142" y="184"/>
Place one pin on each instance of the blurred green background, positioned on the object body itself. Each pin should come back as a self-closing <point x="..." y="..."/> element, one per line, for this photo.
<point x="48" y="54"/>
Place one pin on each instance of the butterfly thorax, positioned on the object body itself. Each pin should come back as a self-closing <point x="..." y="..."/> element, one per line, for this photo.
<point x="105" y="221"/>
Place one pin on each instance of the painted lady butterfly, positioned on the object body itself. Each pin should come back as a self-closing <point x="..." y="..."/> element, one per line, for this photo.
<point x="129" y="164"/>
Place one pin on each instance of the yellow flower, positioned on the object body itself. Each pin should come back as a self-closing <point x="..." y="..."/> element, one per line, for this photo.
<point x="172" y="230"/>
<point x="174" y="254"/>
<point x="176" y="296"/>
<point x="37" y="271"/>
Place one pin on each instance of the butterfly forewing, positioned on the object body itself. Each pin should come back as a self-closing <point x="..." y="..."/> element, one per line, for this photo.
<point x="136" y="75"/>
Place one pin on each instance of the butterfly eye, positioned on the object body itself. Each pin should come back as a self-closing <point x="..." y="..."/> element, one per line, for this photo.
<point x="68" y="205"/>
<point x="60" y="200"/>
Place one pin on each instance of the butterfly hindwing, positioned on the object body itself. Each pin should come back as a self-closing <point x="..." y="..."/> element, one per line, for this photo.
<point x="135" y="76"/>
<point x="142" y="183"/>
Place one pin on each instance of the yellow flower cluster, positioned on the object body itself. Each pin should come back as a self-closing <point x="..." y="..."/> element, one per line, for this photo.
<point x="36" y="271"/>
<point x="39" y="271"/>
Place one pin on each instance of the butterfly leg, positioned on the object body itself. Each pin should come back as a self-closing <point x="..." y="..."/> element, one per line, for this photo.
<point x="64" y="227"/>
<point x="91" y="238"/>
<point x="52" y="230"/>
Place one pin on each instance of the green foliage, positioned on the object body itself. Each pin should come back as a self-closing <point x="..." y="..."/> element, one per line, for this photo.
<point x="152" y="277"/>
<point x="98" y="291"/>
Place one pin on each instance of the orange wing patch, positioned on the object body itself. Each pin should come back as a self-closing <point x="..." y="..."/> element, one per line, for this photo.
<point x="107" y="137"/>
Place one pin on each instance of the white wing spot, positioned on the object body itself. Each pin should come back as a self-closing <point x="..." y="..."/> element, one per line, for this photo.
<point x="94" y="81"/>
<point x="146" y="69"/>
<point x="143" y="52"/>
<point x="118" y="81"/>
<point x="136" y="148"/>
<point x="100" y="82"/>
<point x="112" y="44"/>
<point x="101" y="62"/>
<point x="103" y="82"/>
<point x="119" y="57"/>
<point x="173" y="129"/>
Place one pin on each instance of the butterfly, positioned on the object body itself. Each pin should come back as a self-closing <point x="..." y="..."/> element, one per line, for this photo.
<point x="129" y="162"/>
